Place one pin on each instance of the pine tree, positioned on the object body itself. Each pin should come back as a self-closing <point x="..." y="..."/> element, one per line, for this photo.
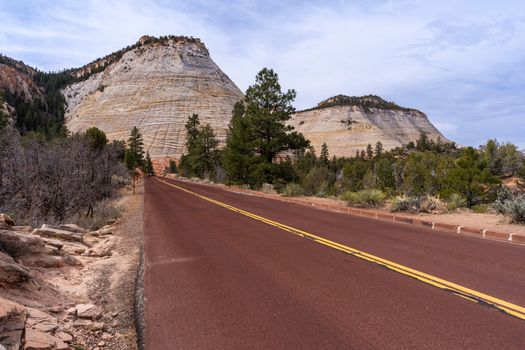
<point x="260" y="134"/>
<point x="205" y="151"/>
<point x="378" y="151"/>
<point x="369" y="152"/>
<point x="323" y="157"/>
<point x="148" y="166"/>
<point x="136" y="146"/>
<point x="96" y="137"/>
<point x="239" y="151"/>
<point x="471" y="177"/>
<point x="192" y="130"/>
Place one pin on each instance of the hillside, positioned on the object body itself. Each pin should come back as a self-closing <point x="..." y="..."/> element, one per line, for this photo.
<point x="154" y="85"/>
<point x="349" y="124"/>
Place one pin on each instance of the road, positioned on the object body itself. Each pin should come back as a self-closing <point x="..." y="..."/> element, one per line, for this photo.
<point x="233" y="271"/>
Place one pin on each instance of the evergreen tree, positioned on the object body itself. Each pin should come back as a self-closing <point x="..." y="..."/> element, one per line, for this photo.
<point x="362" y="155"/>
<point x="97" y="138"/>
<point x="378" y="151"/>
<point x="471" y="177"/>
<point x="172" y="167"/>
<point x="267" y="110"/>
<point x="205" y="152"/>
<point x="422" y="144"/>
<point x="148" y="166"/>
<point x="239" y="152"/>
<point x="192" y="130"/>
<point x="369" y="152"/>
<point x="385" y="179"/>
<point x="129" y="160"/>
<point x="136" y="146"/>
<point x="257" y="136"/>
<point x="323" y="157"/>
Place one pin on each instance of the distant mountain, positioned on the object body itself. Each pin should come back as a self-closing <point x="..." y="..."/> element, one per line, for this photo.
<point x="348" y="124"/>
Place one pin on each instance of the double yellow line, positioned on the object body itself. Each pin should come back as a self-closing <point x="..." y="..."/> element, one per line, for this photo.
<point x="464" y="292"/>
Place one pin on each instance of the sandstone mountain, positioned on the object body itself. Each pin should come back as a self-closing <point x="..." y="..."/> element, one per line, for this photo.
<point x="154" y="85"/>
<point x="349" y="124"/>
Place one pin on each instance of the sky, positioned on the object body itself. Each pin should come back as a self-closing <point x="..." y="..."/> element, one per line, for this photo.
<point x="460" y="62"/>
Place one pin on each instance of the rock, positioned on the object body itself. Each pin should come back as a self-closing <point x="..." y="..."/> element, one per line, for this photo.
<point x="72" y="228"/>
<point x="36" y="340"/>
<point x="60" y="233"/>
<point x="348" y="124"/>
<point x="71" y="311"/>
<point x="115" y="324"/>
<point x="107" y="336"/>
<point x="82" y="323"/>
<point x="44" y="261"/>
<point x="7" y="219"/>
<point x="10" y="271"/>
<point x="73" y="248"/>
<point x="97" y="326"/>
<point x="54" y="243"/>
<point x="114" y="314"/>
<point x="46" y="327"/>
<point x="154" y="87"/>
<point x="23" y="229"/>
<point x="101" y="344"/>
<point x="64" y="336"/>
<point x="12" y="321"/>
<point x="18" y="244"/>
<point x="5" y="226"/>
<point x="88" y="311"/>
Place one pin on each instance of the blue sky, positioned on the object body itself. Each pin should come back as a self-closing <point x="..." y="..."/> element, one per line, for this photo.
<point x="460" y="62"/>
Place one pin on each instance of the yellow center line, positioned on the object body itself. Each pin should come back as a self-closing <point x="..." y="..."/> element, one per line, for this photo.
<point x="464" y="292"/>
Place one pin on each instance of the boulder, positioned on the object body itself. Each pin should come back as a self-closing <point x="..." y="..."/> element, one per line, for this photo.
<point x="88" y="311"/>
<point x="58" y="232"/>
<point x="18" y="244"/>
<point x="12" y="320"/>
<point x="7" y="219"/>
<point x="10" y="271"/>
<point x="72" y="228"/>
<point x="5" y="226"/>
<point x="37" y="340"/>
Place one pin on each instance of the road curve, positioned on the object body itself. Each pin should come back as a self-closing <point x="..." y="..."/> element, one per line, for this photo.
<point x="217" y="279"/>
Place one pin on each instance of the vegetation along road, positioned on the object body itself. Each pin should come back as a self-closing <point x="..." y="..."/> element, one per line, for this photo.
<point x="229" y="270"/>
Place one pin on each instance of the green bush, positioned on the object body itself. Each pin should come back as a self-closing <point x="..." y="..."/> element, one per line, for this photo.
<point x="456" y="201"/>
<point x="365" y="198"/>
<point x="481" y="208"/>
<point x="292" y="190"/>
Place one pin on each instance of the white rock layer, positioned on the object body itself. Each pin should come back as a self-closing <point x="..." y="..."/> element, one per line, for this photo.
<point x="347" y="129"/>
<point x="154" y="87"/>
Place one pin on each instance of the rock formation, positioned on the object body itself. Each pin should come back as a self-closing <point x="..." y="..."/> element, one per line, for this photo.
<point x="154" y="85"/>
<point x="349" y="124"/>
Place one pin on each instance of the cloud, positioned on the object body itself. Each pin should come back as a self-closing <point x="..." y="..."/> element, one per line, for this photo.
<point x="457" y="62"/>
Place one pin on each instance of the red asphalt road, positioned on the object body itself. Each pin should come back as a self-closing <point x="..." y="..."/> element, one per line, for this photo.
<point x="216" y="279"/>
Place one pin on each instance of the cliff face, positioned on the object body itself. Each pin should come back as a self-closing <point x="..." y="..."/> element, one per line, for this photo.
<point x="349" y="124"/>
<point x="155" y="85"/>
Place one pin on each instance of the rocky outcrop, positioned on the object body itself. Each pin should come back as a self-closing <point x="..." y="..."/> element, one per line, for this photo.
<point x="155" y="85"/>
<point x="349" y="124"/>
<point x="23" y="254"/>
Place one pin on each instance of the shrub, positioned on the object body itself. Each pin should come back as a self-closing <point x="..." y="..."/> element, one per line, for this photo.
<point x="421" y="204"/>
<point x="365" y="198"/>
<point x="403" y="203"/>
<point x="481" y="208"/>
<point x="456" y="201"/>
<point x="511" y="205"/>
<point x="102" y="213"/>
<point x="292" y="190"/>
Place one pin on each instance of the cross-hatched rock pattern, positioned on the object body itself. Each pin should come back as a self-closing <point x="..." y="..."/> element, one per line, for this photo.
<point x="347" y="129"/>
<point x="155" y="87"/>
